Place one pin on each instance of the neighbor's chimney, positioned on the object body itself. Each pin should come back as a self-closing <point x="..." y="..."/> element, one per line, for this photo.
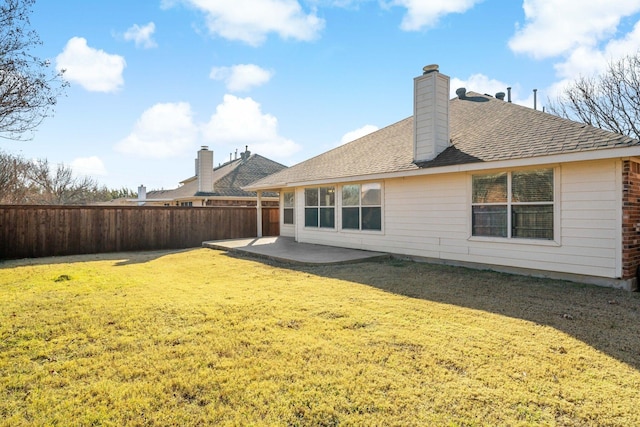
<point x="430" y="114"/>
<point x="204" y="169"/>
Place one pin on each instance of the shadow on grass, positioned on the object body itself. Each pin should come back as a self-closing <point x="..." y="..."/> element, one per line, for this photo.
<point x="604" y="318"/>
<point x="120" y="258"/>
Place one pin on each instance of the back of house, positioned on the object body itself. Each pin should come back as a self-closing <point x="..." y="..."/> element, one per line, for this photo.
<point x="478" y="181"/>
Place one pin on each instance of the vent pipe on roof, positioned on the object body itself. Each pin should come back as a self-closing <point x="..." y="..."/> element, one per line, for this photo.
<point x="500" y="96"/>
<point x="535" y="99"/>
<point x="461" y="92"/>
<point x="509" y="94"/>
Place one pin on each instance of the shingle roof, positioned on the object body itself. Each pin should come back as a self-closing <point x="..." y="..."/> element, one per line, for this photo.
<point x="482" y="129"/>
<point x="228" y="179"/>
<point x="245" y="173"/>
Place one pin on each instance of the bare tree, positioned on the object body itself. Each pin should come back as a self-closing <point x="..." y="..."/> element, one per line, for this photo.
<point x="609" y="101"/>
<point x="14" y="182"/>
<point x="58" y="186"/>
<point x="28" y="87"/>
<point x="37" y="182"/>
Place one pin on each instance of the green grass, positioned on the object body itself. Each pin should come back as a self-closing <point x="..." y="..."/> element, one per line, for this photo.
<point x="200" y="338"/>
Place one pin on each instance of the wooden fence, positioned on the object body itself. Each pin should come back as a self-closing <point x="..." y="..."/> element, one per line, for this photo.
<point x="28" y="231"/>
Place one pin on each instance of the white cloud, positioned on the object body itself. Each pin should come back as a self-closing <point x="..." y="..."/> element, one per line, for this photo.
<point x="555" y="27"/>
<point x="141" y="36"/>
<point x="422" y="14"/>
<point x="242" y="77"/>
<point x="588" y="61"/>
<point x="251" y="21"/>
<point x="357" y="133"/>
<point x="240" y="121"/>
<point x="88" y="166"/>
<point x="93" y="69"/>
<point x="163" y="131"/>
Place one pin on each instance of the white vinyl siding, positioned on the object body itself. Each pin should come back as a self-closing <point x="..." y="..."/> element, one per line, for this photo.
<point x="429" y="216"/>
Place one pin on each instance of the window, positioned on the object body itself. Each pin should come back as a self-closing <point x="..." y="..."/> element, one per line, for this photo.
<point x="319" y="207"/>
<point x="288" y="203"/>
<point x="362" y="206"/>
<point x="515" y="204"/>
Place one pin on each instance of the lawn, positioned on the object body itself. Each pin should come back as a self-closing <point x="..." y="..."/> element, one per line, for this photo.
<point x="198" y="337"/>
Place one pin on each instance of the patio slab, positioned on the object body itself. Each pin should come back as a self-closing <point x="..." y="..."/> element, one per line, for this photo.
<point x="286" y="249"/>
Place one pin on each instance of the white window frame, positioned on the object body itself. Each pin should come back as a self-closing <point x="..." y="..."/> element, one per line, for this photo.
<point x="320" y="206"/>
<point x="555" y="241"/>
<point x="292" y="208"/>
<point x="360" y="206"/>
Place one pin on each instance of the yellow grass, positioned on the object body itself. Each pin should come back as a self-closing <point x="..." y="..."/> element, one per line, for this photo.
<point x="200" y="338"/>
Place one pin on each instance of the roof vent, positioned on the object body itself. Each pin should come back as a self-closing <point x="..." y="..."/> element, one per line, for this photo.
<point x="500" y="96"/>
<point x="430" y="68"/>
<point x="461" y="92"/>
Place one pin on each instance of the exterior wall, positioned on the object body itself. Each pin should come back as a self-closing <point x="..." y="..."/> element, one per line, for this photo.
<point x="430" y="216"/>
<point x="287" y="230"/>
<point x="630" y="218"/>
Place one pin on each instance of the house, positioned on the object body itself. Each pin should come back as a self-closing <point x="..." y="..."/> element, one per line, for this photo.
<point x="219" y="186"/>
<point x="476" y="181"/>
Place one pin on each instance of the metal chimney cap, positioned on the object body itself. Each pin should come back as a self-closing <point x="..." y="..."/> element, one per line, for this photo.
<point x="430" y="68"/>
<point x="461" y="92"/>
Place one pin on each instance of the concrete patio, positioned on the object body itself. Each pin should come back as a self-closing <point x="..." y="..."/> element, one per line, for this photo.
<point x="285" y="249"/>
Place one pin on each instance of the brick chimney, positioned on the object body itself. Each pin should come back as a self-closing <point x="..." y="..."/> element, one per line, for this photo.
<point x="430" y="114"/>
<point x="204" y="170"/>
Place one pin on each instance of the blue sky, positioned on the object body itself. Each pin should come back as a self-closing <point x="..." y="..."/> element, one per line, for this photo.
<point x="153" y="80"/>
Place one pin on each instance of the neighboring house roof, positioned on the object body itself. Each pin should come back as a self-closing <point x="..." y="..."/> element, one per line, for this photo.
<point x="482" y="129"/>
<point x="228" y="180"/>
